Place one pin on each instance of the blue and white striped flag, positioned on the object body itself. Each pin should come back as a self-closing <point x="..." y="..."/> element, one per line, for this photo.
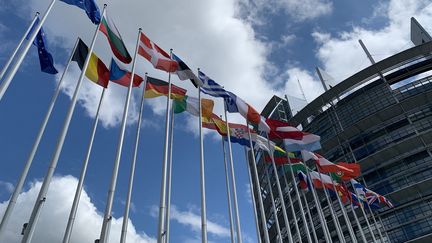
<point x="212" y="88"/>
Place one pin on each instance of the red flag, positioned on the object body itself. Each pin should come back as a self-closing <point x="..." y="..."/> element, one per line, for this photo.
<point x="282" y="130"/>
<point x="346" y="175"/>
<point x="154" y="54"/>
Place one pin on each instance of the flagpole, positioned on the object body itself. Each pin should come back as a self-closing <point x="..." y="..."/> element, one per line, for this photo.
<point x="23" y="176"/>
<point x="228" y="192"/>
<point x="335" y="217"/>
<point x="132" y="169"/>
<point x="365" y="216"/>
<point x="349" y="146"/>
<point x="358" y="224"/>
<point x="72" y="215"/>
<point x="320" y="212"/>
<point x="275" y="212"/>
<point x="260" y="201"/>
<point x="162" y="203"/>
<point x="373" y="216"/>
<point x="202" y="174"/>
<point x="253" y="197"/>
<point x="282" y="200"/>
<point x="106" y="224"/>
<point x="344" y="213"/>
<point x="310" y="217"/>
<point x="298" y="199"/>
<point x="6" y="82"/>
<point x="6" y="66"/>
<point x="234" y="187"/>
<point x="375" y="222"/>
<point x="169" y="183"/>
<point x="28" y="233"/>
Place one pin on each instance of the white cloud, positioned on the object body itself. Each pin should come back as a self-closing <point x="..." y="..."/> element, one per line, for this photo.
<point x="311" y="86"/>
<point x="258" y="11"/>
<point x="248" y="193"/>
<point x="56" y="212"/>
<point x="342" y="56"/>
<point x="7" y="186"/>
<point x="206" y="34"/>
<point x="306" y="9"/>
<point x="193" y="220"/>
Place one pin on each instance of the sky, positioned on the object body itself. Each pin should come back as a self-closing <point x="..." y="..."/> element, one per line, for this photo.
<point x="254" y="48"/>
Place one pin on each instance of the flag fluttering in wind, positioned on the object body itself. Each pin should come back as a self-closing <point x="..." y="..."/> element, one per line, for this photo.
<point x="45" y="58"/>
<point x="214" y="123"/>
<point x="89" y="6"/>
<point x="122" y="76"/>
<point x="156" y="87"/>
<point x="344" y="175"/>
<point x="154" y="54"/>
<point x="263" y="143"/>
<point x="370" y="196"/>
<point x="296" y="167"/>
<point x="303" y="181"/>
<point x="324" y="181"/>
<point x="310" y="142"/>
<point x="191" y="105"/>
<point x="281" y="158"/>
<point x="96" y="70"/>
<point x="212" y="88"/>
<point x="324" y="165"/>
<point x="115" y="40"/>
<point x="235" y="104"/>
<point x="239" y="134"/>
<point x="282" y="130"/>
<point x="184" y="72"/>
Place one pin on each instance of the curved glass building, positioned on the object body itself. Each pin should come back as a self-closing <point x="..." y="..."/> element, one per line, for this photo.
<point x="381" y="118"/>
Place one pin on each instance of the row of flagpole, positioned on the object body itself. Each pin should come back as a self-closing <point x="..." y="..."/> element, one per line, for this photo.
<point x="355" y="161"/>
<point x="29" y="230"/>
<point x="165" y="201"/>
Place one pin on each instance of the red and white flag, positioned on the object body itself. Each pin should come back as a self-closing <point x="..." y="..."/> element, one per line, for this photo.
<point x="323" y="164"/>
<point x="154" y="54"/>
<point x="282" y="130"/>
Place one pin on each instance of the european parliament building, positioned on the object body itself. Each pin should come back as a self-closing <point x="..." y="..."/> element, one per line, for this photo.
<point x="380" y="117"/>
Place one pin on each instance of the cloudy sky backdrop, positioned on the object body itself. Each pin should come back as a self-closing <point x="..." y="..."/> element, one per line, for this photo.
<point x="254" y="48"/>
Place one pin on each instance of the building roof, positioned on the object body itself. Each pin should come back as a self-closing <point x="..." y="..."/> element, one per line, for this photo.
<point x="361" y="77"/>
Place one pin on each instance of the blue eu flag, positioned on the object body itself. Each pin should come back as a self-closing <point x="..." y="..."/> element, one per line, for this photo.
<point x="89" y="6"/>
<point x="45" y="58"/>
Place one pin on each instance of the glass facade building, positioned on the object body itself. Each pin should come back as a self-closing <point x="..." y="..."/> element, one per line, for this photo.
<point x="381" y="118"/>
